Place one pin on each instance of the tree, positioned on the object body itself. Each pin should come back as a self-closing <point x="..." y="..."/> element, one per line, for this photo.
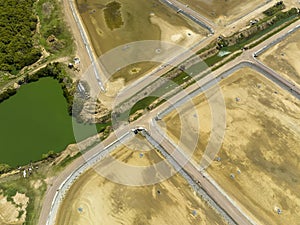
<point x="17" y="26"/>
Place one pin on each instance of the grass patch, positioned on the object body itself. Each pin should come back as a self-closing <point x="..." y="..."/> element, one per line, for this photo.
<point x="142" y="104"/>
<point x="112" y="15"/>
<point x="207" y="47"/>
<point x="17" y="184"/>
<point x="52" y="23"/>
<point x="102" y="126"/>
<point x="157" y="93"/>
<point x="166" y="87"/>
<point x="65" y="162"/>
<point x="232" y="57"/>
<point x="210" y="61"/>
<point x="20" y="214"/>
<point x="181" y="78"/>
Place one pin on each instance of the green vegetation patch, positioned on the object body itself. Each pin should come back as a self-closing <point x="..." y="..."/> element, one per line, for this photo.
<point x="274" y="9"/>
<point x="142" y="104"/>
<point x="17" y="27"/>
<point x="4" y="168"/>
<point x="54" y="34"/>
<point x="11" y="187"/>
<point x="168" y="86"/>
<point x="113" y="16"/>
<point x="265" y="26"/>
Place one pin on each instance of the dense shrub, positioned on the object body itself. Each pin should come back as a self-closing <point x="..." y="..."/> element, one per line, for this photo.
<point x="274" y="9"/>
<point x="6" y="94"/>
<point x="52" y="24"/>
<point x="17" y="26"/>
<point x="4" y="168"/>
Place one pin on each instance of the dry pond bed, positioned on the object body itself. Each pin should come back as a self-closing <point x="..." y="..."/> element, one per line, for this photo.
<point x="259" y="158"/>
<point x="94" y="199"/>
<point x="284" y="58"/>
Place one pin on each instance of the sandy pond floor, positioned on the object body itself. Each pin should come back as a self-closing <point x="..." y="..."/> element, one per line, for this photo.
<point x="260" y="150"/>
<point x="95" y="200"/>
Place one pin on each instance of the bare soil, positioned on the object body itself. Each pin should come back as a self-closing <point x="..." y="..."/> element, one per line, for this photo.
<point x="142" y="20"/>
<point x="93" y="199"/>
<point x="284" y="58"/>
<point x="137" y="24"/>
<point x="9" y="210"/>
<point x="225" y="11"/>
<point x="260" y="148"/>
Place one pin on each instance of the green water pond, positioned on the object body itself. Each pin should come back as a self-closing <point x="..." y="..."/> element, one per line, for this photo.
<point x="35" y="121"/>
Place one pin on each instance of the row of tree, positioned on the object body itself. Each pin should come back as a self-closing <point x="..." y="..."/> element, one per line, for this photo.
<point x="274" y="9"/>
